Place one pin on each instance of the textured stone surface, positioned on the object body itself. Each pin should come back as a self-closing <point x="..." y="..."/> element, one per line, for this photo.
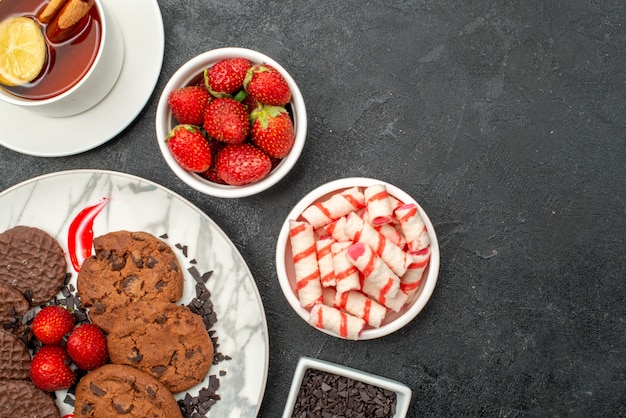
<point x="505" y="120"/>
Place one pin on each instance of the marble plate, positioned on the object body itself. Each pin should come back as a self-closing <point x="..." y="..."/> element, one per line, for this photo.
<point x="30" y="133"/>
<point x="51" y="202"/>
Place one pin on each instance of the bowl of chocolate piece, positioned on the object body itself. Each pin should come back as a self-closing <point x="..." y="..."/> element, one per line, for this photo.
<point x="322" y="388"/>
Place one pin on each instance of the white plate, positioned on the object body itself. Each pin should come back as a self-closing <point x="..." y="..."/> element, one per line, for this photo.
<point x="30" y="133"/>
<point x="52" y="201"/>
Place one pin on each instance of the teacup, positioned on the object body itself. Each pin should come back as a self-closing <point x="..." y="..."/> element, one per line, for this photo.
<point x="95" y="57"/>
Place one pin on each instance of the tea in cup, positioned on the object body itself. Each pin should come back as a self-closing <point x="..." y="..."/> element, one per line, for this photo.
<point x="70" y="54"/>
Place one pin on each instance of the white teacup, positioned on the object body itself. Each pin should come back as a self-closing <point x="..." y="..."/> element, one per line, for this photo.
<point x="93" y="86"/>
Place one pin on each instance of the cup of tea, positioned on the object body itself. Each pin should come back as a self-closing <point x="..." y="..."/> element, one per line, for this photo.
<point x="76" y="55"/>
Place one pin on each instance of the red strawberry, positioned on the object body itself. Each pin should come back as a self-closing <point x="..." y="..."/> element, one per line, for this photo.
<point x="226" y="76"/>
<point x="227" y="120"/>
<point x="239" y="164"/>
<point x="267" y="85"/>
<point x="250" y="103"/>
<point x="211" y="173"/>
<point x="50" y="369"/>
<point x="87" y="346"/>
<point x="189" y="148"/>
<point x="272" y="130"/>
<point x="188" y="104"/>
<point x="52" y="323"/>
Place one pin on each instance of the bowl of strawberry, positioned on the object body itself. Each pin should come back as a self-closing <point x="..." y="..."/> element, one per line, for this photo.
<point x="231" y="122"/>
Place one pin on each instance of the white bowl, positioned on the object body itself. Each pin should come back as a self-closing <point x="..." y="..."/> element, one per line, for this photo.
<point x="393" y="320"/>
<point x="94" y="85"/>
<point x="403" y="392"/>
<point x="165" y="122"/>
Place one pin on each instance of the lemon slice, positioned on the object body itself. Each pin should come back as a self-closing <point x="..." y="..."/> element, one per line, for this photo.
<point x="22" y="50"/>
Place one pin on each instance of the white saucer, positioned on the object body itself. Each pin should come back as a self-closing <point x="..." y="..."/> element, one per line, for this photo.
<point x="30" y="133"/>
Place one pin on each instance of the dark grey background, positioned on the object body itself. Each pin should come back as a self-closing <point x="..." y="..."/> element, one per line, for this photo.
<point x="505" y="120"/>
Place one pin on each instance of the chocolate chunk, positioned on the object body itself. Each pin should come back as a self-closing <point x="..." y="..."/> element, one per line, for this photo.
<point x="122" y="409"/>
<point x="151" y="262"/>
<point x="99" y="307"/>
<point x="195" y="273"/>
<point x="128" y="283"/>
<point x="117" y="262"/>
<point x="327" y="394"/>
<point x="136" y="356"/>
<point x="96" y="390"/>
<point x="158" y="370"/>
<point x="137" y="261"/>
<point x="86" y="409"/>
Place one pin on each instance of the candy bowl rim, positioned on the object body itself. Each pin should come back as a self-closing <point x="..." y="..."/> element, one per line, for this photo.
<point x="398" y="320"/>
<point x="164" y="122"/>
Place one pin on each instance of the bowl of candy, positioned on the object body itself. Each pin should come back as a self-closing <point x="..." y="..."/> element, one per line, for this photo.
<point x="322" y="388"/>
<point x="357" y="258"/>
<point x="231" y="122"/>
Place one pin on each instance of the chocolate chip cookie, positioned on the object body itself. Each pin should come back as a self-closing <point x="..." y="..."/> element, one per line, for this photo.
<point x="165" y="340"/>
<point x="127" y="267"/>
<point x="115" y="390"/>
<point x="33" y="261"/>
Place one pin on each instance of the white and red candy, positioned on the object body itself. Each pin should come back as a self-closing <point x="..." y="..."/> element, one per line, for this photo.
<point x="346" y="273"/>
<point x="337" y="321"/>
<point x="412" y="279"/>
<point x="308" y="283"/>
<point x="360" y="305"/>
<point x="340" y="204"/>
<point x="360" y="231"/>
<point x="323" y="247"/>
<point x="412" y="226"/>
<point x="379" y="281"/>
<point x="368" y="251"/>
<point x="379" y="207"/>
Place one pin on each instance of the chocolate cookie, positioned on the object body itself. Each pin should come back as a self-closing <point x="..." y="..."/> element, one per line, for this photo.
<point x="14" y="357"/>
<point x="115" y="390"/>
<point x="20" y="398"/>
<point x="13" y="306"/>
<point x="127" y="267"/>
<point x="32" y="261"/>
<point x="165" y="340"/>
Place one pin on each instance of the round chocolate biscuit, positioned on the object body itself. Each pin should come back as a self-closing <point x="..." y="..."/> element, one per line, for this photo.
<point x="14" y="357"/>
<point x="33" y="261"/>
<point x="127" y="267"/>
<point x="163" y="339"/>
<point x="20" y="398"/>
<point x="115" y="390"/>
<point x="13" y="307"/>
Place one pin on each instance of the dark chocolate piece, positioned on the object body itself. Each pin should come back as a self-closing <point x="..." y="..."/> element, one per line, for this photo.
<point x="327" y="394"/>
